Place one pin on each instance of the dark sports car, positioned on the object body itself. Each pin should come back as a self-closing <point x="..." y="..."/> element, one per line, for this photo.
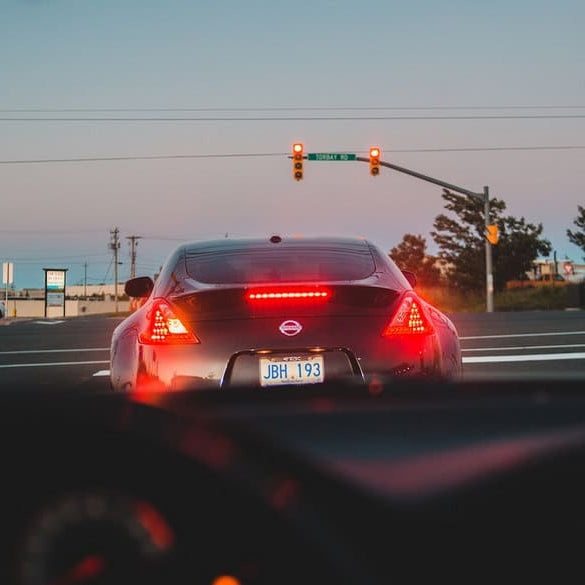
<point x="280" y="311"/>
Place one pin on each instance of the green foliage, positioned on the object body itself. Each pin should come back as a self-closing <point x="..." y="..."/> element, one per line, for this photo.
<point x="578" y="237"/>
<point x="519" y="245"/>
<point x="448" y="300"/>
<point x="411" y="254"/>
<point x="544" y="298"/>
<point x="460" y="237"/>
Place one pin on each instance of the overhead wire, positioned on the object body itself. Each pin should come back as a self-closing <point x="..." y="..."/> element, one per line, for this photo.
<point x="108" y="269"/>
<point x="289" y="118"/>
<point x="277" y="154"/>
<point x="303" y="108"/>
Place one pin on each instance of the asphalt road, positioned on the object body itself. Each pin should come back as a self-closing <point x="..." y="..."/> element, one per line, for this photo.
<point x="49" y="353"/>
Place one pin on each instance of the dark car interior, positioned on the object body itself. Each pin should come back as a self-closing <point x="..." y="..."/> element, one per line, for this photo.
<point x="334" y="484"/>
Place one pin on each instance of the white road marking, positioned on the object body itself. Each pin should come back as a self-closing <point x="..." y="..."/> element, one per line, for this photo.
<point x="54" y="364"/>
<point x="488" y="359"/>
<point x="102" y="373"/>
<point x="519" y="347"/>
<point x="75" y="350"/>
<point x="523" y="335"/>
<point x="48" y="322"/>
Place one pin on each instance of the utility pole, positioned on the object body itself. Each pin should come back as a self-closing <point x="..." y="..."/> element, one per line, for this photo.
<point x="133" y="244"/>
<point x="115" y="246"/>
<point x="85" y="281"/>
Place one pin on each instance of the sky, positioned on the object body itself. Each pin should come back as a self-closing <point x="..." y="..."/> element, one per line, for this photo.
<point x="498" y="74"/>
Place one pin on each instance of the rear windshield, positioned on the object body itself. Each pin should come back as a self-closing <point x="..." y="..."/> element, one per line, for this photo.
<point x="291" y="264"/>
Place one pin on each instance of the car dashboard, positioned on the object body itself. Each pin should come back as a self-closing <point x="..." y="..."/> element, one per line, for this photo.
<point x="333" y="483"/>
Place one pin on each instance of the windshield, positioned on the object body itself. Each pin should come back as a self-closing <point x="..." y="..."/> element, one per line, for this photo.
<point x="448" y="138"/>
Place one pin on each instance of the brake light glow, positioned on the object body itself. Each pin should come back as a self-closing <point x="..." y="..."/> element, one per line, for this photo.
<point x="288" y="295"/>
<point x="409" y="319"/>
<point x="166" y="328"/>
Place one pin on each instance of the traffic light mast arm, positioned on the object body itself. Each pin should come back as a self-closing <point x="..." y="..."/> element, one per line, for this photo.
<point x="426" y="178"/>
<point x="481" y="196"/>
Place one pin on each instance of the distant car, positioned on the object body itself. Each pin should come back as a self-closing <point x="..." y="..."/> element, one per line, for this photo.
<point x="540" y="281"/>
<point x="550" y="278"/>
<point x="279" y="311"/>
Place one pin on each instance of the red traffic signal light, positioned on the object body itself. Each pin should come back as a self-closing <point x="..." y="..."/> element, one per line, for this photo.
<point x="374" y="161"/>
<point x="297" y="156"/>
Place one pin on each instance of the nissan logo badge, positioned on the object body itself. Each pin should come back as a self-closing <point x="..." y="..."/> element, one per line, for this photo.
<point x="290" y="328"/>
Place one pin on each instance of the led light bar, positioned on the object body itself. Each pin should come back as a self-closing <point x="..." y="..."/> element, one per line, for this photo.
<point x="287" y="295"/>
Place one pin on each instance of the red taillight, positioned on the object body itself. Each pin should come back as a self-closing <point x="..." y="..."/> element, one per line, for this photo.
<point x="315" y="294"/>
<point x="165" y="327"/>
<point x="409" y="319"/>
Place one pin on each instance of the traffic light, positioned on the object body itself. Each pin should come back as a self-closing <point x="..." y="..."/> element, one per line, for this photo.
<point x="374" y="161"/>
<point x="492" y="233"/>
<point x="297" y="161"/>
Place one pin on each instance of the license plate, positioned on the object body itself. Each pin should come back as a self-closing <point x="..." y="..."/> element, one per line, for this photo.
<point x="291" y="370"/>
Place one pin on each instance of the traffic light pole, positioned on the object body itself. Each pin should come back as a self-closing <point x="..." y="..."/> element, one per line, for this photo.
<point x="480" y="196"/>
<point x="488" y="254"/>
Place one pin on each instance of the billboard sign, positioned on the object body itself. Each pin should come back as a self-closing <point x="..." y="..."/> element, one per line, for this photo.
<point x="55" y="279"/>
<point x="55" y="283"/>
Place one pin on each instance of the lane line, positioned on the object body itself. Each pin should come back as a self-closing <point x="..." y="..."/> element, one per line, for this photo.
<point x="523" y="335"/>
<point x="75" y="350"/>
<point x="54" y="364"/>
<point x="102" y="373"/>
<point x="519" y="347"/>
<point x="547" y="357"/>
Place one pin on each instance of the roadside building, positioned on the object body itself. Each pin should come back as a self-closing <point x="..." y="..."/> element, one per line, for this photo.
<point x="549" y="270"/>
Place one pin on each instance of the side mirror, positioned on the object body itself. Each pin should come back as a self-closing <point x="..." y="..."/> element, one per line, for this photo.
<point x="410" y="276"/>
<point x="139" y="287"/>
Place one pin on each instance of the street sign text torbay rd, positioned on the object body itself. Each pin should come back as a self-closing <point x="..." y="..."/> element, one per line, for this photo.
<point x="330" y="156"/>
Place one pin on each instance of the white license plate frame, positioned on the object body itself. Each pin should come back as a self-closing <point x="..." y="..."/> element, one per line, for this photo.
<point x="307" y="369"/>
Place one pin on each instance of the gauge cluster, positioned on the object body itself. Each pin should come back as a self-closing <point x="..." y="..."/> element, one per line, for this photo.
<point x="93" y="536"/>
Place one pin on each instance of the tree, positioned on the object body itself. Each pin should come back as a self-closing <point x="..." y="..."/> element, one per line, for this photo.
<point x="461" y="241"/>
<point x="411" y="254"/>
<point x="578" y="237"/>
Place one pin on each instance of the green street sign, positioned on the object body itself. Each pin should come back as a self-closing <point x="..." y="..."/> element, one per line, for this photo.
<point x="330" y="156"/>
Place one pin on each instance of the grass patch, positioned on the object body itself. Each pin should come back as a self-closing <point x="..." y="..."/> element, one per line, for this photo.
<point x="544" y="298"/>
<point x="449" y="300"/>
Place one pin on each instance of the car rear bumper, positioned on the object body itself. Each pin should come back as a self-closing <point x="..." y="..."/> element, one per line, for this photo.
<point x="195" y="367"/>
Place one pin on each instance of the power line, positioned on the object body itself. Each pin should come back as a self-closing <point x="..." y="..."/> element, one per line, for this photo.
<point x="266" y="154"/>
<point x="48" y="232"/>
<point x="57" y="258"/>
<point x="108" y="270"/>
<point x="302" y="108"/>
<point x="293" y="118"/>
<point x="140" y="157"/>
<point x="493" y="148"/>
